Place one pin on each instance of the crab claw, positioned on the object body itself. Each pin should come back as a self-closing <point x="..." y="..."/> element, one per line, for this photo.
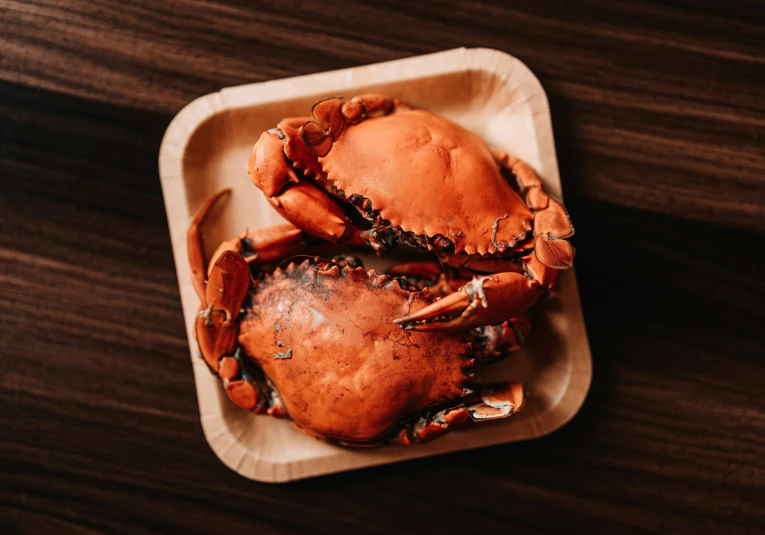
<point x="491" y="403"/>
<point x="429" y="427"/>
<point x="483" y="301"/>
<point x="551" y="228"/>
<point x="216" y="328"/>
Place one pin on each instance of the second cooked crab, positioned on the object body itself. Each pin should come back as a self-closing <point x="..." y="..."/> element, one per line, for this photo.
<point x="312" y="342"/>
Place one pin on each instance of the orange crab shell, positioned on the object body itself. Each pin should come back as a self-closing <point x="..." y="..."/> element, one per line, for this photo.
<point x="428" y="175"/>
<point x="342" y="371"/>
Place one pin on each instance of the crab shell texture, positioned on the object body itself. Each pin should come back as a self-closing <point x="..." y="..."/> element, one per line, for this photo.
<point x="344" y="373"/>
<point x="429" y="176"/>
<point x="423" y="173"/>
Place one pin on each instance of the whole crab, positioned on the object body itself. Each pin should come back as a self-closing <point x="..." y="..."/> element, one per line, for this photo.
<point x="309" y="342"/>
<point x="371" y="170"/>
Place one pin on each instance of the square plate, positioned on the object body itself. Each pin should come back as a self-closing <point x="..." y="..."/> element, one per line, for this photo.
<point x="206" y="149"/>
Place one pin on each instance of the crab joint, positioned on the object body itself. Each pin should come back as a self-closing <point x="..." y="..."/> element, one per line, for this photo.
<point x="475" y="292"/>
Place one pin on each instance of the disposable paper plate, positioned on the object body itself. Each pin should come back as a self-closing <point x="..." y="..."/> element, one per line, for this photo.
<point x="206" y="149"/>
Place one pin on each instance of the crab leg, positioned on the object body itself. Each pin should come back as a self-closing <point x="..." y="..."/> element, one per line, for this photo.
<point x="194" y="244"/>
<point x="332" y="115"/>
<point x="426" y="274"/>
<point x="264" y="245"/>
<point x="216" y="327"/>
<point x="490" y="403"/>
<point x="552" y="225"/>
<point x="493" y="342"/>
<point x="431" y="426"/>
<point x="472" y="264"/>
<point x="216" y="330"/>
<point x="222" y="294"/>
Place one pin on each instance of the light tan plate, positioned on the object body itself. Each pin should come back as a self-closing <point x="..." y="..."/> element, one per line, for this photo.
<point x="206" y="148"/>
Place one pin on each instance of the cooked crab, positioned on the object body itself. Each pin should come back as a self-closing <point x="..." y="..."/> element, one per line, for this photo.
<point x="311" y="342"/>
<point x="372" y="170"/>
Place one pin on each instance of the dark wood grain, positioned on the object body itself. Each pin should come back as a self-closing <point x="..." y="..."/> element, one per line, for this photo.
<point x="656" y="109"/>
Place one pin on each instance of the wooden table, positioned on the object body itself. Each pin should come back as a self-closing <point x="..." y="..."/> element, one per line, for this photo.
<point x="659" y="114"/>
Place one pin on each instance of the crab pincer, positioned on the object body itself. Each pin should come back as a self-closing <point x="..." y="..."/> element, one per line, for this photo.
<point x="486" y="300"/>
